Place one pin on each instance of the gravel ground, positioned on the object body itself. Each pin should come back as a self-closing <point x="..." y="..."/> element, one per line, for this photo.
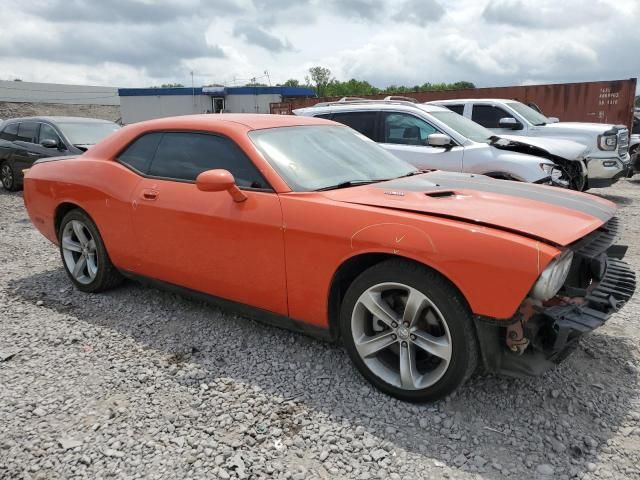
<point x="141" y="383"/>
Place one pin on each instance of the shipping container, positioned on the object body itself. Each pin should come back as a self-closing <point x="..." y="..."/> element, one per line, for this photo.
<point x="599" y="102"/>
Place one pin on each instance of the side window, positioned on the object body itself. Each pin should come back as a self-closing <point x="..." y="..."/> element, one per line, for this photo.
<point x="459" y="109"/>
<point x="47" y="132"/>
<point x="9" y="132"/>
<point x="27" y="132"/>
<point x="326" y="116"/>
<point x="488" y="116"/>
<point x="183" y="156"/>
<point x="139" y="154"/>
<point x="405" y="129"/>
<point x="363" y="122"/>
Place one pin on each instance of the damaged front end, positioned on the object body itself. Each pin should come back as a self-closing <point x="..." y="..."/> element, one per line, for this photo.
<point x="548" y="326"/>
<point x="570" y="169"/>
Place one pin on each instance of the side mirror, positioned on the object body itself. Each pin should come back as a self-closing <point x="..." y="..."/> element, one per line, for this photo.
<point x="439" y="140"/>
<point x="510" y="123"/>
<point x="218" y="181"/>
<point x="49" y="143"/>
<point x="553" y="119"/>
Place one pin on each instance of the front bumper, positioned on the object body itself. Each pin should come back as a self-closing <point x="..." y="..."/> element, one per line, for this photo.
<point x="554" y="329"/>
<point x="604" y="172"/>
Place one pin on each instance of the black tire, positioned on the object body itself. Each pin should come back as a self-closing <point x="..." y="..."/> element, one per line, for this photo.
<point x="8" y="177"/>
<point x="464" y="346"/>
<point x="107" y="275"/>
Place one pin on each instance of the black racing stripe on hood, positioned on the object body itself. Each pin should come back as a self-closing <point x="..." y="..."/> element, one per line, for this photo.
<point x="452" y="181"/>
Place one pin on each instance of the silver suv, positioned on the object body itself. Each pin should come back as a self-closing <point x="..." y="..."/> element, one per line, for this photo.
<point x="432" y="137"/>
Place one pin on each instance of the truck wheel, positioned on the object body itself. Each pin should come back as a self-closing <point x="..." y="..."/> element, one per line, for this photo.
<point x="408" y="331"/>
<point x="8" y="177"/>
<point x="84" y="256"/>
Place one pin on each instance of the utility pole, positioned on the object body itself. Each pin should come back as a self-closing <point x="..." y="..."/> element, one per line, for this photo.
<point x="268" y="78"/>
<point x="193" y="94"/>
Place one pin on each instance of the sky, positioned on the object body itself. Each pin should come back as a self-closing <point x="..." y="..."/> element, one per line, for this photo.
<point x="140" y="43"/>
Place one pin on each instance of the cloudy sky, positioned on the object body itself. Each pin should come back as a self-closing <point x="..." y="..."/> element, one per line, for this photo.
<point x="131" y="43"/>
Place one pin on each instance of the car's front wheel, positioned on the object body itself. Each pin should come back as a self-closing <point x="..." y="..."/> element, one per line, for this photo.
<point x="408" y="331"/>
<point x="84" y="255"/>
<point x="8" y="177"/>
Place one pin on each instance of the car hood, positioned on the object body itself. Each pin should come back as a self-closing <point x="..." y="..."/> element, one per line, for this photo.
<point x="584" y="126"/>
<point x="566" y="149"/>
<point x="550" y="214"/>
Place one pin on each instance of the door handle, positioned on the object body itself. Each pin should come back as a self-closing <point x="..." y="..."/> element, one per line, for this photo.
<point x="150" y="194"/>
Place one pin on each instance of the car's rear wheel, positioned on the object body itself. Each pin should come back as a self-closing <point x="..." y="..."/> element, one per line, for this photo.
<point x="8" y="177"/>
<point x="408" y="331"/>
<point x="84" y="255"/>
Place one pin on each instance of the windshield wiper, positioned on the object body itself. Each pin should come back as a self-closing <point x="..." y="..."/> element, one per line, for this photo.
<point x="347" y="184"/>
<point x="542" y="124"/>
<point x="411" y="174"/>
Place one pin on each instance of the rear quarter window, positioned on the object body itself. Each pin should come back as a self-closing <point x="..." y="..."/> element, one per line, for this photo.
<point x="139" y="154"/>
<point x="9" y="132"/>
<point x="459" y="109"/>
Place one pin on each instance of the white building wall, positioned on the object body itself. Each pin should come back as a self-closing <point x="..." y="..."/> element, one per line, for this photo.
<point x="140" y="108"/>
<point x="31" y="92"/>
<point x="250" y="103"/>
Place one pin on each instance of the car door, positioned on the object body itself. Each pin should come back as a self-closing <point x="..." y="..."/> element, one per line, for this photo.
<point x="489" y="117"/>
<point x="48" y="132"/>
<point x="206" y="241"/>
<point x="26" y="150"/>
<point x="405" y="135"/>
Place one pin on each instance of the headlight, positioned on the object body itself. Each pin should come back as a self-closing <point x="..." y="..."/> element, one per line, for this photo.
<point x="607" y="142"/>
<point x="553" y="277"/>
<point x="552" y="170"/>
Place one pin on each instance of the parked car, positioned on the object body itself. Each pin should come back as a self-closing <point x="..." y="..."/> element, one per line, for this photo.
<point x="432" y="137"/>
<point x="634" y="142"/>
<point x="24" y="140"/>
<point x="307" y="224"/>
<point x="607" y="158"/>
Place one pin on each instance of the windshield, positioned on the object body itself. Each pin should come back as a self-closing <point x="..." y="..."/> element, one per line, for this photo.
<point x="86" y="133"/>
<point x="465" y="127"/>
<point x="316" y="157"/>
<point x="529" y="114"/>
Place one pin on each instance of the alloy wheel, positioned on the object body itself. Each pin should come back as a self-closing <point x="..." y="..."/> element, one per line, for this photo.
<point x="79" y="252"/>
<point x="401" y="336"/>
<point x="6" y="174"/>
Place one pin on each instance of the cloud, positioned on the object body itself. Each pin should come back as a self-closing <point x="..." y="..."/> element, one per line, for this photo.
<point x="128" y="11"/>
<point x="155" y="48"/>
<point x="545" y="14"/>
<point x="363" y="9"/>
<point x="255" y="35"/>
<point x="419" y="12"/>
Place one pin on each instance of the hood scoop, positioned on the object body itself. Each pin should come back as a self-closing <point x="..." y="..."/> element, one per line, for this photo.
<point x="441" y="194"/>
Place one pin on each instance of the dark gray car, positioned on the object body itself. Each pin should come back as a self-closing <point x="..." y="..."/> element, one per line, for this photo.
<point x="25" y="140"/>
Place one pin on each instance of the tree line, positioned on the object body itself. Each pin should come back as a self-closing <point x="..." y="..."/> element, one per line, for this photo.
<point x="325" y="85"/>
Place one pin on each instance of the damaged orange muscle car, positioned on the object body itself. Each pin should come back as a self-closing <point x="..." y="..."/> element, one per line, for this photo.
<point x="309" y="225"/>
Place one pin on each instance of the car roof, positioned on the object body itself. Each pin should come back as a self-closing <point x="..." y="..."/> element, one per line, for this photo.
<point x="465" y="100"/>
<point x="373" y="105"/>
<point x="251" y="121"/>
<point x="54" y="119"/>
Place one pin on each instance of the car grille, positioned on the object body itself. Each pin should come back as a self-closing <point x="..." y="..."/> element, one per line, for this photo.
<point x="623" y="142"/>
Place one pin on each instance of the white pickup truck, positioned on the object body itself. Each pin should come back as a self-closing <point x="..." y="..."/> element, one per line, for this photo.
<point x="607" y="158"/>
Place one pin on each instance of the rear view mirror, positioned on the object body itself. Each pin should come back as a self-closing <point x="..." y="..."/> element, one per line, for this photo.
<point x="439" y="140"/>
<point x="49" y="143"/>
<point x="218" y="181"/>
<point x="510" y="123"/>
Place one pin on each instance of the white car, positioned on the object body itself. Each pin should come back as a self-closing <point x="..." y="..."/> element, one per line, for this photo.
<point x="607" y="159"/>
<point x="432" y="137"/>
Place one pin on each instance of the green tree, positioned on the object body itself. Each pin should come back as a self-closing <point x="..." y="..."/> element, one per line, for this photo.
<point x="320" y="76"/>
<point x="292" y="82"/>
<point x="638" y="101"/>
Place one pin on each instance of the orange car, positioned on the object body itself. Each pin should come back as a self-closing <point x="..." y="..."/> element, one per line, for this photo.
<point x="307" y="224"/>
